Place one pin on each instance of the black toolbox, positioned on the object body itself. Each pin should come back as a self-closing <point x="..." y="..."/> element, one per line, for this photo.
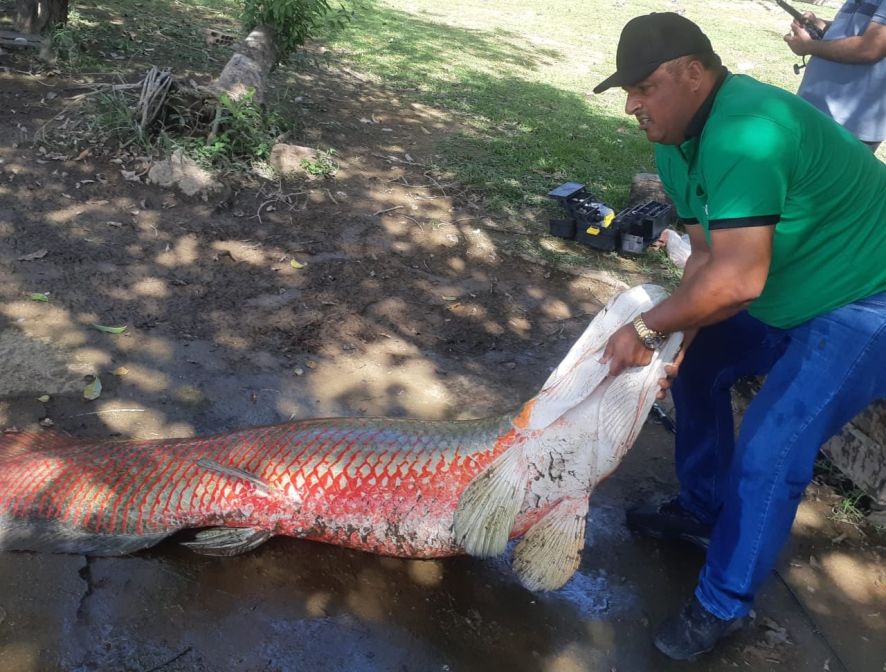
<point x="590" y="221"/>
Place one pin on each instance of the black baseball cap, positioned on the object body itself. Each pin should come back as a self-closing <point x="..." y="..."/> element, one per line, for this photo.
<point x="648" y="41"/>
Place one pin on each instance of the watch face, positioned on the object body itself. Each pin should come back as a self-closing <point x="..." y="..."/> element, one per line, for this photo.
<point x="652" y="342"/>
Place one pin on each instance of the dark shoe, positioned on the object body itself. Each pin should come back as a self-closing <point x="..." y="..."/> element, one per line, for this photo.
<point x="668" y="520"/>
<point x="692" y="632"/>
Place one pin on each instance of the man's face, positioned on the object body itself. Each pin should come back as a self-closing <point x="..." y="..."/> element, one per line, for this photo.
<point x="663" y="104"/>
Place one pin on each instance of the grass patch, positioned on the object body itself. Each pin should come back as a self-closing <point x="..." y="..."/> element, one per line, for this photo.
<point x="853" y="504"/>
<point x="517" y="76"/>
<point x="116" y="36"/>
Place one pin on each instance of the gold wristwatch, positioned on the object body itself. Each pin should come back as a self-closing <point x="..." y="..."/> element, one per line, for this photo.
<point x="650" y="338"/>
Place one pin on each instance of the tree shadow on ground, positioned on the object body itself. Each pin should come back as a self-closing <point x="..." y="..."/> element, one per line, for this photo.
<point x="519" y="137"/>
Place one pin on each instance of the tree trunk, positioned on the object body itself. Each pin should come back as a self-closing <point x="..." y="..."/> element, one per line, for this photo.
<point x="39" y="16"/>
<point x="249" y="67"/>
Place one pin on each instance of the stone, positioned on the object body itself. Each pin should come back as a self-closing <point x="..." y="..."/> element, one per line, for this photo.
<point x="286" y="159"/>
<point x="183" y="172"/>
<point x="647" y="187"/>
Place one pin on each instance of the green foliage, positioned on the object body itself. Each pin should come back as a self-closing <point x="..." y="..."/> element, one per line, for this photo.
<point x="245" y="132"/>
<point x="113" y="120"/>
<point x="322" y="165"/>
<point x="293" y="21"/>
<point x="66" y="40"/>
<point x="851" y="508"/>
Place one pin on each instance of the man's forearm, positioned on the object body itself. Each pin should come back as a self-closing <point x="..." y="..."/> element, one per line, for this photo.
<point x="705" y="296"/>
<point x="846" y="50"/>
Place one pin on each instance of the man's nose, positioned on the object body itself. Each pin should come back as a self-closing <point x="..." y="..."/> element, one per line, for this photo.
<point x="631" y="104"/>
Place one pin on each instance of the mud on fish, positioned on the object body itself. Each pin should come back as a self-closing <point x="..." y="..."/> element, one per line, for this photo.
<point x="400" y="487"/>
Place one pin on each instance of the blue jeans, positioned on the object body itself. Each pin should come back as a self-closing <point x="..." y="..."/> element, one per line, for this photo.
<point x="820" y="375"/>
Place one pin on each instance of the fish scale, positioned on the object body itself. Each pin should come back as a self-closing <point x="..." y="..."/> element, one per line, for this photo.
<point x="137" y="488"/>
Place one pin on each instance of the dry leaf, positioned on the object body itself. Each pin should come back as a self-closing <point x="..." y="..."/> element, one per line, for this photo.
<point x="39" y="254"/>
<point x="120" y="371"/>
<point x="296" y="264"/>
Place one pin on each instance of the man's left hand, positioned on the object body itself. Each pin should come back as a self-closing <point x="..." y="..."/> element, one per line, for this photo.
<point x="624" y="350"/>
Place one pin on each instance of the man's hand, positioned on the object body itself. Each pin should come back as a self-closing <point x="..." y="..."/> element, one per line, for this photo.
<point x="624" y="350"/>
<point x="870" y="47"/>
<point x="821" y="24"/>
<point x="798" y="39"/>
<point x="672" y="369"/>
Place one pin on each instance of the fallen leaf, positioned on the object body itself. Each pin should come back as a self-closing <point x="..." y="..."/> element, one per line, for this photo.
<point x="296" y="264"/>
<point x="120" y="371"/>
<point x="93" y="390"/>
<point x="110" y="330"/>
<point x="39" y="296"/>
<point x="129" y="176"/>
<point x="311" y="365"/>
<point x="43" y="398"/>
<point x="449" y="298"/>
<point x="39" y="254"/>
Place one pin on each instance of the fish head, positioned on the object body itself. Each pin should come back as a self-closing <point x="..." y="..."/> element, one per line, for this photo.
<point x="574" y="380"/>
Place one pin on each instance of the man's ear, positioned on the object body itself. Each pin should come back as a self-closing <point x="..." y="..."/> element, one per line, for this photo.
<point x="695" y="73"/>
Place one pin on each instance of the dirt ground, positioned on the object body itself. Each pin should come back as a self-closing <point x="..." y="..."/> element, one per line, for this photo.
<point x="410" y="301"/>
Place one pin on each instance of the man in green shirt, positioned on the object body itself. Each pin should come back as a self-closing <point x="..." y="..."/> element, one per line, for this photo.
<point x="787" y="277"/>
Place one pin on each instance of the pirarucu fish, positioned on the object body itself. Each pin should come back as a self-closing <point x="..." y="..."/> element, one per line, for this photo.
<point x="400" y="487"/>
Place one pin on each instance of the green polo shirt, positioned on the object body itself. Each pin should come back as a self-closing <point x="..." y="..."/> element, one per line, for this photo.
<point x="761" y="156"/>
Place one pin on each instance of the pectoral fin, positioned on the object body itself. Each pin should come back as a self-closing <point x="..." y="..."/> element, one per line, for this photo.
<point x="489" y="505"/>
<point x="550" y="552"/>
<point x="226" y="541"/>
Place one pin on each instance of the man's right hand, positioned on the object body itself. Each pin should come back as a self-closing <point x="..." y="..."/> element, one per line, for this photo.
<point x="821" y="24"/>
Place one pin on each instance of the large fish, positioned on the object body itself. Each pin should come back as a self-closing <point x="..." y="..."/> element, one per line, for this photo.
<point x="399" y="487"/>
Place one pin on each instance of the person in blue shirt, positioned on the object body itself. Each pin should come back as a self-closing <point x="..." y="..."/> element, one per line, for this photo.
<point x="846" y="74"/>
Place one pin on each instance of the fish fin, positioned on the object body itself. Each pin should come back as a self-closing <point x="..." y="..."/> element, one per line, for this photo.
<point x="488" y="507"/>
<point x="550" y="552"/>
<point x="239" y="474"/>
<point x="225" y="541"/>
<point x="580" y="372"/>
<point x="18" y="443"/>
<point x="626" y="403"/>
<point x="55" y="537"/>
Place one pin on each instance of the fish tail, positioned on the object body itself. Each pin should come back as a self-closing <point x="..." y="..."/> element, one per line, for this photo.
<point x="49" y="536"/>
<point x="550" y="551"/>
